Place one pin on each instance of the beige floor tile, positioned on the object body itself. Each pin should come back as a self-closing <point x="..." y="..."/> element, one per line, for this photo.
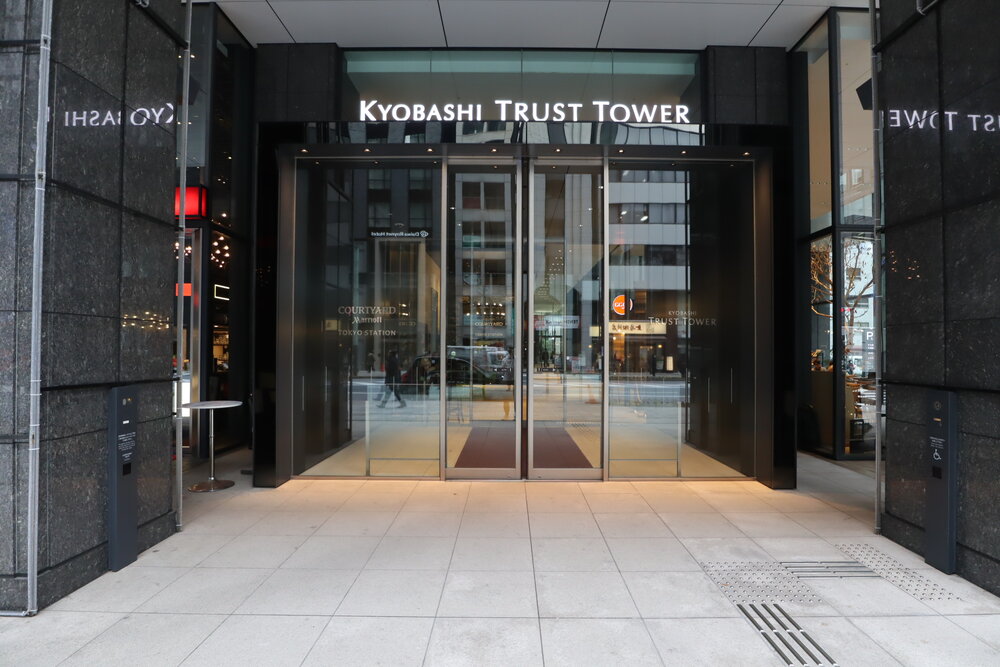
<point x="206" y="591"/>
<point x="489" y="594"/>
<point x="300" y="592"/>
<point x="571" y="554"/>
<point x="394" y="593"/>
<point x="494" y="524"/>
<point x="632" y="525"/>
<point x="160" y="639"/>
<point x="651" y="554"/>
<point x="677" y="595"/>
<point x="120" y="591"/>
<point x="700" y="525"/>
<point x="711" y="641"/>
<point x="425" y="524"/>
<point x="365" y="641"/>
<point x="412" y="553"/>
<point x="574" y="642"/>
<point x="583" y="595"/>
<point x="260" y="640"/>
<point x="374" y="524"/>
<point x="563" y="524"/>
<point x="51" y="636"/>
<point x="254" y="551"/>
<point x="492" y="553"/>
<point x="495" y="641"/>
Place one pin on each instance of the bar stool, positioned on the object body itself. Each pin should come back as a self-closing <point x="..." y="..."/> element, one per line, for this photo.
<point x="211" y="484"/>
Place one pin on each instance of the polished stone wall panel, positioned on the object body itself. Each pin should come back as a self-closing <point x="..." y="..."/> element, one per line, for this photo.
<point x="11" y="82"/>
<point x="979" y="413"/>
<point x="148" y="269"/>
<point x="971" y="262"/>
<point x="915" y="353"/>
<point x="7" y="489"/>
<point x="973" y="353"/>
<point x="149" y="171"/>
<point x="979" y="470"/>
<point x="272" y="82"/>
<point x="86" y="136"/>
<point x="905" y="403"/>
<point x="907" y="463"/>
<point x="88" y="37"/>
<point x="74" y="411"/>
<point x="156" y="530"/>
<point x="772" y="76"/>
<point x="894" y="13"/>
<point x="13" y="19"/>
<point x="79" y="349"/>
<point x="77" y="490"/>
<point x="171" y="11"/>
<point x="912" y="176"/>
<point x="153" y="452"/>
<point x="146" y="351"/>
<point x="969" y="164"/>
<point x="153" y="66"/>
<point x="970" y="50"/>
<point x="8" y="328"/>
<point x="29" y="113"/>
<point x="8" y="244"/>
<point x="82" y="256"/>
<point x="155" y="400"/>
<point x="21" y="506"/>
<point x="914" y="285"/>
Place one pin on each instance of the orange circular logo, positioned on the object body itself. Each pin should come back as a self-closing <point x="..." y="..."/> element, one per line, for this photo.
<point x="619" y="304"/>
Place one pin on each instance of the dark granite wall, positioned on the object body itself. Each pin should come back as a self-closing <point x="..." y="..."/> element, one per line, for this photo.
<point x="108" y="274"/>
<point x="942" y="206"/>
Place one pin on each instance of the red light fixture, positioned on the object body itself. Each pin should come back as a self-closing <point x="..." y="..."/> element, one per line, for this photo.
<point x="195" y="202"/>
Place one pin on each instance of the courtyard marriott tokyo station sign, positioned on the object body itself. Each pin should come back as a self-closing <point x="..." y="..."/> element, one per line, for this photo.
<point x="504" y="110"/>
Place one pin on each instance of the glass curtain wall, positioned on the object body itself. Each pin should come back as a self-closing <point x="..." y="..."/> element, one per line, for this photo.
<point x="837" y="372"/>
<point x="366" y="289"/>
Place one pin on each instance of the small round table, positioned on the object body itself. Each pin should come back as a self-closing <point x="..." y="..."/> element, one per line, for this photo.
<point x="211" y="484"/>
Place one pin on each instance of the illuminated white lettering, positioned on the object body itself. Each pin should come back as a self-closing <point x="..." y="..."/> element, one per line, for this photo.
<point x="537" y="116"/>
<point x="433" y="113"/>
<point x="141" y="114"/>
<point x="384" y="110"/>
<point x="558" y="112"/>
<point x="449" y="112"/>
<point x="503" y="107"/>
<point x="79" y="116"/>
<point x="366" y="109"/>
<point x="521" y="111"/>
<point x="400" y="112"/>
<point x="951" y="118"/>
<point x="618" y="118"/>
<point x="575" y="106"/>
<point x="894" y="118"/>
<point x="643" y="113"/>
<point x="988" y="123"/>
<point x="466" y="112"/>
<point x="418" y="112"/>
<point x="94" y="115"/>
<point x="600" y="110"/>
<point x="682" y="113"/>
<point x="974" y="117"/>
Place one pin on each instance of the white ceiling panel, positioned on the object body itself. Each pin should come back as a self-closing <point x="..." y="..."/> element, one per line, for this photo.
<point x="523" y="23"/>
<point x="643" y="24"/>
<point x="257" y="21"/>
<point x="362" y="22"/>
<point x="788" y="25"/>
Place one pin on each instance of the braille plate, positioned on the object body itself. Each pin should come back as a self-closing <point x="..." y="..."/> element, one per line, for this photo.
<point x="747" y="582"/>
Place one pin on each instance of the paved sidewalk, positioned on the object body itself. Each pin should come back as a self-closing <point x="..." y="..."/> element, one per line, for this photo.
<point x="511" y="573"/>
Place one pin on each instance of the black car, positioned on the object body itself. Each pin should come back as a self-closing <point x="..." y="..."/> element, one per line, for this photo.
<point x="425" y="371"/>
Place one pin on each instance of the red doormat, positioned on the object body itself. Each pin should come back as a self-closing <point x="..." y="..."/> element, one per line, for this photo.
<point x="554" y="448"/>
<point x="488" y="447"/>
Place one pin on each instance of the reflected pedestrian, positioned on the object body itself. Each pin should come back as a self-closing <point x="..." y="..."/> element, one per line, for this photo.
<point x="392" y="380"/>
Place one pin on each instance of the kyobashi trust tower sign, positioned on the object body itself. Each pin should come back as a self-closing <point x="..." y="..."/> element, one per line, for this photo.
<point x="515" y="110"/>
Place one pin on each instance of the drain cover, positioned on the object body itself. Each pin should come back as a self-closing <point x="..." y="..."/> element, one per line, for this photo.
<point x="826" y="569"/>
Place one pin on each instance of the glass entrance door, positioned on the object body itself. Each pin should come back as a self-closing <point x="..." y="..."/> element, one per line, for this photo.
<point x="565" y="337"/>
<point x="479" y="359"/>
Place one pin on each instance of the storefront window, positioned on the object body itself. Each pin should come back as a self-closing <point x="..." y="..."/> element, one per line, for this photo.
<point x="816" y="414"/>
<point x="857" y="164"/>
<point x="816" y="49"/>
<point x="858" y="333"/>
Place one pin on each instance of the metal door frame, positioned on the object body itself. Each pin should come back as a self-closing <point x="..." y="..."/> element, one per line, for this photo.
<point x="601" y="471"/>
<point x="517" y="186"/>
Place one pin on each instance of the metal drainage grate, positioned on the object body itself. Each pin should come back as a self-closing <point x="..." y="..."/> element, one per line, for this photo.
<point x="785" y="636"/>
<point x="890" y="569"/>
<point x="828" y="569"/>
<point x="747" y="582"/>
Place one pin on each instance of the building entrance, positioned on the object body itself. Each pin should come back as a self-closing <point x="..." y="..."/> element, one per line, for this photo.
<point x="517" y="316"/>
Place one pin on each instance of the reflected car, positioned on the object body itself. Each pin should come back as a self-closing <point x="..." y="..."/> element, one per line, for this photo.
<point x="425" y="371"/>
